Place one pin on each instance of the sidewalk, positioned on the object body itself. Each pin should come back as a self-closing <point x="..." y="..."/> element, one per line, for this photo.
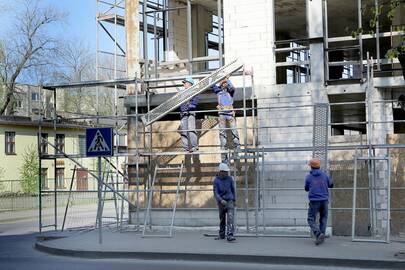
<point x="336" y="251"/>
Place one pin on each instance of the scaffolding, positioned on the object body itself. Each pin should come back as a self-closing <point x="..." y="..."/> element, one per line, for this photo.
<point x="135" y="183"/>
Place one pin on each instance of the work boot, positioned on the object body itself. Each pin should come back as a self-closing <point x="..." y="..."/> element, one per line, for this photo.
<point x="230" y="238"/>
<point x="320" y="239"/>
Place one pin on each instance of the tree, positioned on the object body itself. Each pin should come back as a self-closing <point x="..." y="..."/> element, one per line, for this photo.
<point x="28" y="46"/>
<point x="29" y="170"/>
<point x="75" y="63"/>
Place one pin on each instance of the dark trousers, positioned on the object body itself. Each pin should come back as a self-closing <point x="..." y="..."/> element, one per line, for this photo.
<point x="316" y="207"/>
<point x="226" y="216"/>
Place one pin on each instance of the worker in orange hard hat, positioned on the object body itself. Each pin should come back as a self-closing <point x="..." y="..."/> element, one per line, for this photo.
<point x="317" y="184"/>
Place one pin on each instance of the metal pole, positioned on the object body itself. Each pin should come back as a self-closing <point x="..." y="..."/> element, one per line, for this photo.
<point x="137" y="152"/>
<point x="263" y="195"/>
<point x="257" y="195"/>
<point x="354" y="196"/>
<point x="359" y="11"/>
<point x="245" y="143"/>
<point x="155" y="40"/>
<point x="389" y="198"/>
<point x="69" y="196"/>
<point x="39" y="142"/>
<point x="176" y="198"/>
<point x="377" y="32"/>
<point x="164" y="16"/>
<point x="145" y="38"/>
<point x="325" y="40"/>
<point x="97" y="60"/>
<point x="189" y="39"/>
<point x="220" y="44"/>
<point x="54" y="161"/>
<point x="99" y="219"/>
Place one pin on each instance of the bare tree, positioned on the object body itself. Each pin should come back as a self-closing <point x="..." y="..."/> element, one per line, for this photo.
<point x="28" y="46"/>
<point x="76" y="63"/>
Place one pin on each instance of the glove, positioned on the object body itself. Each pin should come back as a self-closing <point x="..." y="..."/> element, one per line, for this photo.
<point x="223" y="202"/>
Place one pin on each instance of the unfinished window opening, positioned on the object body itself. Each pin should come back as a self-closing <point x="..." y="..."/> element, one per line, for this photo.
<point x="292" y="45"/>
<point x="348" y="114"/>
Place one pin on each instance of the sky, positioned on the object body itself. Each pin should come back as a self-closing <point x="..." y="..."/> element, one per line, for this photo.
<point x="80" y="23"/>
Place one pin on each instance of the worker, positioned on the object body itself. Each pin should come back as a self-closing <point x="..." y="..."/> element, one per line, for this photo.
<point x="188" y="133"/>
<point x="225" y="92"/>
<point x="225" y="195"/>
<point x="316" y="184"/>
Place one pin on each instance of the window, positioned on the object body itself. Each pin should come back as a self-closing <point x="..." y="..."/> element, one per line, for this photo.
<point x="44" y="144"/>
<point x="60" y="142"/>
<point x="44" y="178"/>
<point x="10" y="143"/>
<point x="60" y="177"/>
<point x="35" y="96"/>
<point x="18" y="104"/>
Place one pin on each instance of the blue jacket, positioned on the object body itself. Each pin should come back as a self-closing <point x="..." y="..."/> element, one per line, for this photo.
<point x="224" y="188"/>
<point x="189" y="106"/>
<point x="317" y="184"/>
<point x="225" y="97"/>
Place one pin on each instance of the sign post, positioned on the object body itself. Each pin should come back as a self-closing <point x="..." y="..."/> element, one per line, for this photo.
<point x="99" y="143"/>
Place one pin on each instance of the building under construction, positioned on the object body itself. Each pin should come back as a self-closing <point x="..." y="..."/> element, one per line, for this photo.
<point x="312" y="79"/>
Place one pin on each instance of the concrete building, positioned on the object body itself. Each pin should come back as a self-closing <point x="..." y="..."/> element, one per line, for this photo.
<point x="297" y="54"/>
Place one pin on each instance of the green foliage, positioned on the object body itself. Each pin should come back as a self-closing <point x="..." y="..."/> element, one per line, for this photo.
<point x="29" y="171"/>
<point x="376" y="16"/>
<point x="394" y="52"/>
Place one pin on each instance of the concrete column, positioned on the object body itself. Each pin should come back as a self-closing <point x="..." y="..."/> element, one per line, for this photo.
<point x="315" y="30"/>
<point x="249" y="32"/>
<point x="133" y="69"/>
<point x="132" y="41"/>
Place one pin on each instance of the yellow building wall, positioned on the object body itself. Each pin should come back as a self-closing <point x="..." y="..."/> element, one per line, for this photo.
<point x="26" y="137"/>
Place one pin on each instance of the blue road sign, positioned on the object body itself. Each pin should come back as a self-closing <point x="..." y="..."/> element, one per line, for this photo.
<point x="99" y="142"/>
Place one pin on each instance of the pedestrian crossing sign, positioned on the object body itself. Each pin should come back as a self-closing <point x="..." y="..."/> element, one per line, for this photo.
<point x="99" y="142"/>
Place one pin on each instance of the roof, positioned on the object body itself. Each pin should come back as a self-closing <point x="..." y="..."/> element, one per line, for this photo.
<point x="27" y="121"/>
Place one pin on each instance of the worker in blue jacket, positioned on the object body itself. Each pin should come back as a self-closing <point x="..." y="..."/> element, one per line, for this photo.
<point x="225" y="195"/>
<point x="317" y="184"/>
<point x="188" y="133"/>
<point x="225" y="92"/>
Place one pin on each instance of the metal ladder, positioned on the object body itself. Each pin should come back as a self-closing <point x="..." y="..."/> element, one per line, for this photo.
<point x="184" y="96"/>
<point x="150" y="196"/>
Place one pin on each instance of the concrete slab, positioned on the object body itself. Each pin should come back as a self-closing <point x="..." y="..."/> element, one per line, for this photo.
<point x="193" y="245"/>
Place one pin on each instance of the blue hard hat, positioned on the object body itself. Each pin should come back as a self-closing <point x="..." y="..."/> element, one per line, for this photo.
<point x="189" y="80"/>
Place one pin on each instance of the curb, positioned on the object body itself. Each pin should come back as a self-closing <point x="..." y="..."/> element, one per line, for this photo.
<point x="282" y="260"/>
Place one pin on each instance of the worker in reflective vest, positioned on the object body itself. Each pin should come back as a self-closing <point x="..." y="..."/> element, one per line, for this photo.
<point x="225" y="91"/>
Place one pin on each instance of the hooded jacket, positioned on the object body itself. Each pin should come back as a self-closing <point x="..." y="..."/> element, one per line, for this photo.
<point x="317" y="184"/>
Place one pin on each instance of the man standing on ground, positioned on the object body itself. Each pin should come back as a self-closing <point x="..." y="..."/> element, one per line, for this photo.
<point x="225" y="91"/>
<point x="224" y="192"/>
<point x="187" y="116"/>
<point x="317" y="184"/>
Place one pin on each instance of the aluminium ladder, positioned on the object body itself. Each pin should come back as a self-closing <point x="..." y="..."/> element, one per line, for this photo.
<point x="150" y="196"/>
<point x="184" y="96"/>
